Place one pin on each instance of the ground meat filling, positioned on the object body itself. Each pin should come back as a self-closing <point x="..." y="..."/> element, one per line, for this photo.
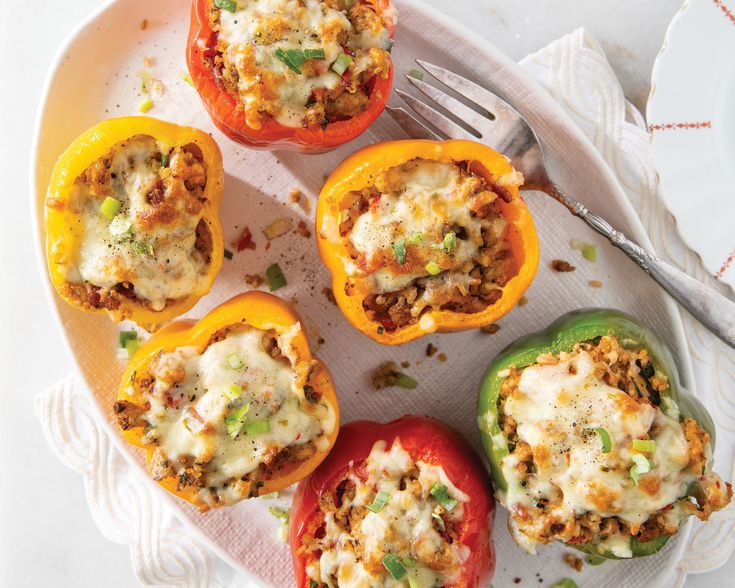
<point x="631" y="371"/>
<point x="375" y="512"/>
<point x="304" y="63"/>
<point x="161" y="196"/>
<point x="439" y="244"/>
<point x="221" y="440"/>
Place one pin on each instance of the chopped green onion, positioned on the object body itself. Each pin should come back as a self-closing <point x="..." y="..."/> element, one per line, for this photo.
<point x="257" y="427"/>
<point x="187" y="78"/>
<point x="143" y="248"/>
<point x="120" y="225"/>
<point x="564" y="583"/>
<point x="439" y="520"/>
<point x="589" y="252"/>
<point x="405" y="381"/>
<point x="234" y="361"/>
<point x="236" y="419"/>
<point x="275" y="276"/>
<point x="110" y="207"/>
<point x="416" y="74"/>
<point x="228" y="5"/>
<point x="313" y="584"/>
<point x="433" y="268"/>
<point x="394" y="566"/>
<point x="415" y="238"/>
<point x="605" y="438"/>
<point x="439" y="491"/>
<point x="644" y="445"/>
<point x="413" y="582"/>
<point x="233" y="392"/>
<point x="449" y="243"/>
<point x="380" y="500"/>
<point x="132" y="346"/>
<point x="314" y="53"/>
<point x="399" y="251"/>
<point x="642" y="465"/>
<point x="145" y="105"/>
<point x="229" y="254"/>
<point x="125" y="336"/>
<point x="165" y="159"/>
<point x="280" y="513"/>
<point x="293" y="58"/>
<point x="408" y="562"/>
<point x="595" y="560"/>
<point x="341" y="64"/>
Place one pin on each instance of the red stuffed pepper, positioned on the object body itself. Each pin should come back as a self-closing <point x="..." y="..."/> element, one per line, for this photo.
<point x="302" y="75"/>
<point x="405" y="503"/>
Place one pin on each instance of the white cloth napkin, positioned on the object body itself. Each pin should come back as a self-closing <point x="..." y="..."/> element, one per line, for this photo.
<point x="164" y="550"/>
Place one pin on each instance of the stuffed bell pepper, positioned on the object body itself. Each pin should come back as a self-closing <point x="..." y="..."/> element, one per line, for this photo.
<point x="301" y="75"/>
<point x="592" y="440"/>
<point x="132" y="219"/>
<point x="231" y="407"/>
<point x="406" y="503"/>
<point x="424" y="236"/>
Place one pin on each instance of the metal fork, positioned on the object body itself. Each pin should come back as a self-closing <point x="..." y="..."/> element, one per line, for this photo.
<point x="507" y="131"/>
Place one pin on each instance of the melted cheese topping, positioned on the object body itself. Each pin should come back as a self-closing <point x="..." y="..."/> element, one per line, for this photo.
<point x="419" y="203"/>
<point x="160" y="261"/>
<point x="192" y="398"/>
<point x="555" y="408"/>
<point x="259" y="28"/>
<point x="404" y="527"/>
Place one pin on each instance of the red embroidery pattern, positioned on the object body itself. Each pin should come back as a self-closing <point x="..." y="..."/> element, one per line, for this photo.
<point x="685" y="125"/>
<point x="728" y="261"/>
<point x="728" y="13"/>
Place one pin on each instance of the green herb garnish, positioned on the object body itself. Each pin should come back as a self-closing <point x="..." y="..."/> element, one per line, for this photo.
<point x="641" y="465"/>
<point x="293" y="58"/>
<point x="394" y="566"/>
<point x="399" y="251"/>
<point x="440" y="492"/>
<point x="415" y="238"/>
<point x="644" y="445"/>
<point x="405" y="381"/>
<point x="228" y="5"/>
<point x="314" y="53"/>
<point x="280" y="513"/>
<point x="233" y="392"/>
<point x="234" y="361"/>
<point x="433" y="268"/>
<point x="143" y="247"/>
<point x="236" y="419"/>
<point x="110" y="207"/>
<point x="275" y="276"/>
<point x="605" y="438"/>
<point x="380" y="500"/>
<point x="449" y="243"/>
<point x="341" y="64"/>
<point x="257" y="427"/>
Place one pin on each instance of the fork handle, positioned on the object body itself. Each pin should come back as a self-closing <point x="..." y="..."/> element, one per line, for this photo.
<point x="709" y="307"/>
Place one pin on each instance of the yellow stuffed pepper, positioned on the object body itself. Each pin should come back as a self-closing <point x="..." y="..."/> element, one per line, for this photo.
<point x="424" y="236"/>
<point x="132" y="219"/>
<point x="231" y="407"/>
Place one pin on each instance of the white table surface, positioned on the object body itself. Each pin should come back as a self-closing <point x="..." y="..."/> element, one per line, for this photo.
<point x="47" y="536"/>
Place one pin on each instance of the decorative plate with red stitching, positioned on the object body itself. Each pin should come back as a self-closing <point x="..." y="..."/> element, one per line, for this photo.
<point x="691" y="117"/>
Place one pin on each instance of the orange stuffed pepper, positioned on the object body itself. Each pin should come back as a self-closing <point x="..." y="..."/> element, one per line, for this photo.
<point x="231" y="407"/>
<point x="132" y="219"/>
<point x="295" y="75"/>
<point x="425" y="236"/>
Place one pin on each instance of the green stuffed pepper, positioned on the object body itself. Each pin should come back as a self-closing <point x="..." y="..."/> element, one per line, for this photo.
<point x="592" y="441"/>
